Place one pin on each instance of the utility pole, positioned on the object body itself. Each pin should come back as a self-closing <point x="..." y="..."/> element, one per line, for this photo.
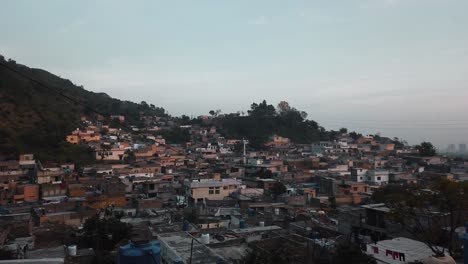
<point x="191" y="251"/>
<point x="244" y="142"/>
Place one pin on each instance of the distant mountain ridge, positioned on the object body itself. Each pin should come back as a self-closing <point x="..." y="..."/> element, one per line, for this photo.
<point x="36" y="119"/>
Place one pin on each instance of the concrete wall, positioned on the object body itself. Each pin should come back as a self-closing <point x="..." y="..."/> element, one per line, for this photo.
<point x="212" y="193"/>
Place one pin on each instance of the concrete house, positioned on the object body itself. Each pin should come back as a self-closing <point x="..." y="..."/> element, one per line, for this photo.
<point x="211" y="189"/>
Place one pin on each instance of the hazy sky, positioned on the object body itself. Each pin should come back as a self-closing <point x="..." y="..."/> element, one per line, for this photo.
<point x="399" y="67"/>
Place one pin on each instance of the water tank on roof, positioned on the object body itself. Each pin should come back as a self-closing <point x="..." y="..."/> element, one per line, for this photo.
<point x="241" y="223"/>
<point x="185" y="226"/>
<point x="147" y="253"/>
<point x="72" y="250"/>
<point x="261" y="223"/>
<point x="315" y="235"/>
<point x="251" y="212"/>
<point x="205" y="239"/>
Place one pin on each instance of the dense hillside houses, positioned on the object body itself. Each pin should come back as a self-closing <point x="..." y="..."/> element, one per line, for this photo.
<point x="122" y="181"/>
<point x="229" y="197"/>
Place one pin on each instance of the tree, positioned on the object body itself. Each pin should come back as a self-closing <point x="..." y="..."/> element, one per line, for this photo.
<point x="129" y="157"/>
<point x="304" y="115"/>
<point x="355" y="135"/>
<point x="279" y="254"/>
<point x="332" y="200"/>
<point x="185" y="118"/>
<point x="103" y="233"/>
<point x="265" y="174"/>
<point x="343" y="130"/>
<point x="175" y="135"/>
<point x="426" y="149"/>
<point x="424" y="212"/>
<point x="277" y="189"/>
<point x="350" y="253"/>
<point x="262" y="110"/>
<point x="144" y="104"/>
<point x="263" y="121"/>
<point x="103" y="151"/>
<point x="283" y="107"/>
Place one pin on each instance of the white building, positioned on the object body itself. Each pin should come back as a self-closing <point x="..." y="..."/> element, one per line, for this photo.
<point x="377" y="177"/>
<point x="211" y="189"/>
<point x="358" y="174"/>
<point x="327" y="147"/>
<point x="403" y="250"/>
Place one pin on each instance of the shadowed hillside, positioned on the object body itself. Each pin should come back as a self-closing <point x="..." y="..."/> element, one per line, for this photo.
<point x="34" y="118"/>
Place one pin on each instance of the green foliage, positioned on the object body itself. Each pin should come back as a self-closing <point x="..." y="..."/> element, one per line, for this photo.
<point x="258" y="256"/>
<point x="264" y="121"/>
<point x="350" y="253"/>
<point x="262" y="110"/>
<point x="34" y="118"/>
<point x="277" y="189"/>
<point x="426" y="149"/>
<point x="264" y="174"/>
<point x="279" y="253"/>
<point x="104" y="233"/>
<point x="332" y="200"/>
<point x="424" y="211"/>
<point x="355" y="135"/>
<point x="175" y="136"/>
<point x="191" y="215"/>
<point x="130" y="157"/>
<point x="215" y="113"/>
<point x="66" y="152"/>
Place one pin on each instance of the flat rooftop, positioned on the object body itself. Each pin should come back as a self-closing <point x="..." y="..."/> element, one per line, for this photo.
<point x="214" y="183"/>
<point x="413" y="249"/>
<point x="181" y="244"/>
<point x="255" y="229"/>
<point x="378" y="207"/>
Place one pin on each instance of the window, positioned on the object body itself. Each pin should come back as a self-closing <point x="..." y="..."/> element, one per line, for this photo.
<point x="225" y="188"/>
<point x="379" y="178"/>
<point x="355" y="189"/>
<point x="217" y="192"/>
<point x="210" y="192"/>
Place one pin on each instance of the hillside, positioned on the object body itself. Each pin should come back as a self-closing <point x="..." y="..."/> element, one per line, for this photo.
<point x="36" y="119"/>
<point x="264" y="120"/>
